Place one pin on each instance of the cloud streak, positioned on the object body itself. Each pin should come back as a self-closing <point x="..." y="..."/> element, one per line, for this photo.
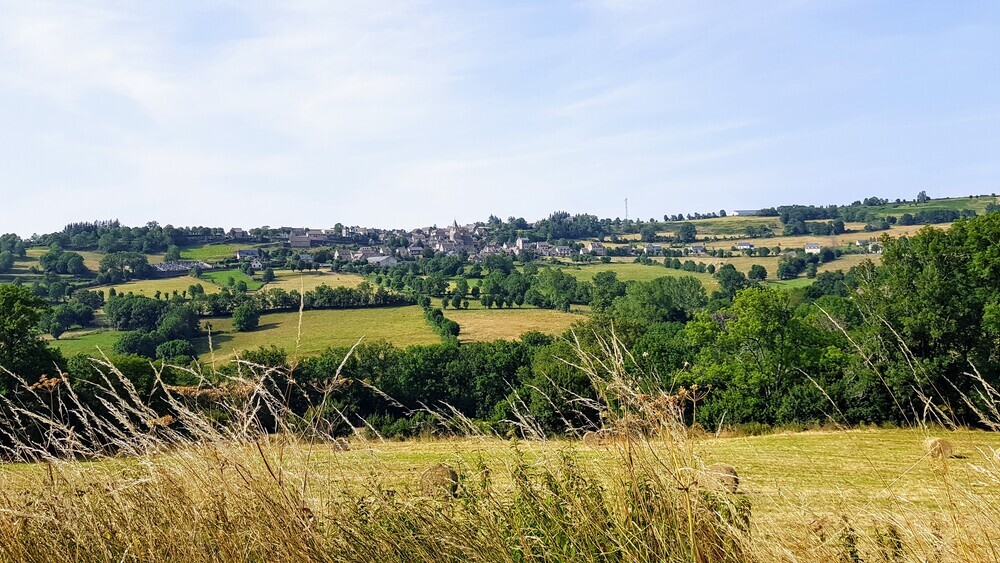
<point x="410" y="113"/>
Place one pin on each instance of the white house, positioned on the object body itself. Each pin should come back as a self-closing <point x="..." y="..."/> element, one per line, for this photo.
<point x="812" y="248"/>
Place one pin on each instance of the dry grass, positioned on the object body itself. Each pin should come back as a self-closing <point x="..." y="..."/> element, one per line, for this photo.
<point x="165" y="286"/>
<point x="833" y="241"/>
<point x="486" y="325"/>
<point x="135" y="484"/>
<point x="289" y="280"/>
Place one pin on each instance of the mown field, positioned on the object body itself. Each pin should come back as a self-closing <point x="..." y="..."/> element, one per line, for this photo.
<point x="210" y="252"/>
<point x="485" y="325"/>
<point x="289" y="280"/>
<point x="321" y="329"/>
<point x="165" y="286"/>
<point x="637" y="272"/>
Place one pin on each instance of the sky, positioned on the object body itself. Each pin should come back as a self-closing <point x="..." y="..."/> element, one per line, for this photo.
<point x="406" y="114"/>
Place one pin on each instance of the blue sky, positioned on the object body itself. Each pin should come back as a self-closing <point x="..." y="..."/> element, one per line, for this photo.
<point x="414" y="113"/>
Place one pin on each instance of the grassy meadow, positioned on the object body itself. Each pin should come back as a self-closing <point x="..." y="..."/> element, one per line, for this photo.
<point x="320" y="329"/>
<point x="86" y="341"/>
<point x="221" y="278"/>
<point x="212" y="252"/>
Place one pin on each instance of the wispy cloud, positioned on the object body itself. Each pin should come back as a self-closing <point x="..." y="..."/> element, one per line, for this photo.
<point x="416" y="112"/>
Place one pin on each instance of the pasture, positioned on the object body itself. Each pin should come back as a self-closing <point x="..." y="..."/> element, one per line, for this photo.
<point x="86" y="341"/>
<point x="222" y="277"/>
<point x="213" y="252"/>
<point x="320" y="330"/>
<point x="486" y="325"/>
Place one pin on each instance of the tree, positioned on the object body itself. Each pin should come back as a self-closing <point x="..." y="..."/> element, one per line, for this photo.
<point x="175" y="350"/>
<point x="685" y="232"/>
<point x="246" y="317"/>
<point x="922" y="197"/>
<point x="648" y="233"/>
<point x="173" y="254"/>
<point x="456" y="301"/>
<point x="267" y="276"/>
<point x="606" y="289"/>
<point x="757" y="273"/>
<point x="730" y="280"/>
<point x="6" y="261"/>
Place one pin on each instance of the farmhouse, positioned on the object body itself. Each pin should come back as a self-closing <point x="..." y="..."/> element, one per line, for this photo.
<point x="595" y="248"/>
<point x="812" y="248"/>
<point x="744" y="246"/>
<point x="652" y="248"/>
<point x="299" y="241"/>
<point x="382" y="261"/>
<point x="697" y="248"/>
<point x="247" y="254"/>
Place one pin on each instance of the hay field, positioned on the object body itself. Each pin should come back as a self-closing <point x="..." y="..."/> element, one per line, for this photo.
<point x="813" y="496"/>
<point x="164" y="285"/>
<point x="289" y="280"/>
<point x="832" y="241"/>
<point x="485" y="325"/>
<point x="402" y="326"/>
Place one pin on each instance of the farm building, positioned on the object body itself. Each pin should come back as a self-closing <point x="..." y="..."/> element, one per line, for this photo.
<point x="745" y="212"/>
<point x="247" y="254"/>
<point x="812" y="248"/>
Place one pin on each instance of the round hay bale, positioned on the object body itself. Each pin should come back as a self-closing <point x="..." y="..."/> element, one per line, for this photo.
<point x="439" y="480"/>
<point x="938" y="448"/>
<point x="721" y="476"/>
<point x="341" y="445"/>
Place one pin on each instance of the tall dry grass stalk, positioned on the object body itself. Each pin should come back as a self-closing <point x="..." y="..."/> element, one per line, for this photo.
<point x="225" y="472"/>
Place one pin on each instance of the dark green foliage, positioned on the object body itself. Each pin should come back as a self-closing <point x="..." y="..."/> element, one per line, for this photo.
<point x="136" y="343"/>
<point x="175" y="350"/>
<point x="22" y="351"/>
<point x="246" y="317"/>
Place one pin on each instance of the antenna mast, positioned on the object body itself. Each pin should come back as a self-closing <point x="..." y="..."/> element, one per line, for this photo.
<point x="626" y="209"/>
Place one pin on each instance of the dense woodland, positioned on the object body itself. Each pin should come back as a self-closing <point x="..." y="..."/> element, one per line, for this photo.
<point x="894" y="343"/>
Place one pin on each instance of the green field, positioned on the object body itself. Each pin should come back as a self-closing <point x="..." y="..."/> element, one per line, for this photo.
<point x="402" y="326"/>
<point x="485" y="325"/>
<point x="212" y="252"/>
<point x="221" y="278"/>
<point x="638" y="272"/>
<point x="165" y="286"/>
<point x="86" y="341"/>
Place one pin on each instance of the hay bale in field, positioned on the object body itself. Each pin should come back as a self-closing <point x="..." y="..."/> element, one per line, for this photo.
<point x="341" y="445"/>
<point x="938" y="448"/>
<point x="722" y="477"/>
<point x="439" y="480"/>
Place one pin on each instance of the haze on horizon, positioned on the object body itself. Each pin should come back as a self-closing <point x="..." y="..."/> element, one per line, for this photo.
<point x="414" y="113"/>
